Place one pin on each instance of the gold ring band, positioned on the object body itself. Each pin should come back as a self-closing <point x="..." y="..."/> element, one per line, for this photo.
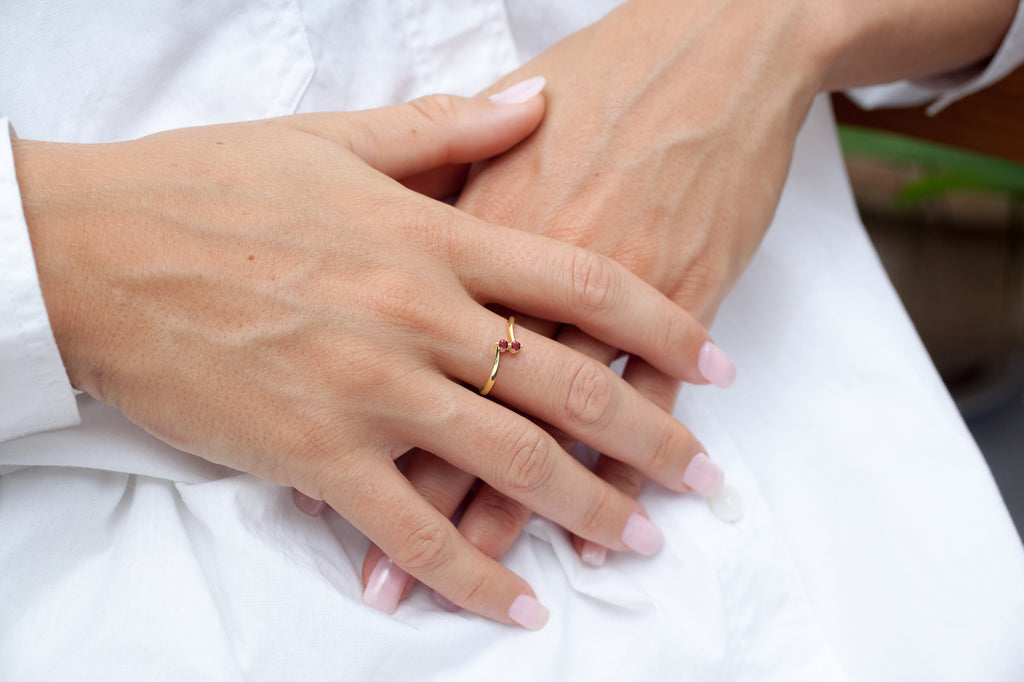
<point x="501" y="346"/>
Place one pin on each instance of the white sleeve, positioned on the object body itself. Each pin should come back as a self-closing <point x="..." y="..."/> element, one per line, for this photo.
<point x="945" y="89"/>
<point x="35" y="393"/>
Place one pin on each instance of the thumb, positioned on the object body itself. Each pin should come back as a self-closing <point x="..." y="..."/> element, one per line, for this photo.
<point x="438" y="130"/>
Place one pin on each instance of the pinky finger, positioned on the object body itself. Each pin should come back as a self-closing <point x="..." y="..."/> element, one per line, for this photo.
<point x="444" y="487"/>
<point x="424" y="544"/>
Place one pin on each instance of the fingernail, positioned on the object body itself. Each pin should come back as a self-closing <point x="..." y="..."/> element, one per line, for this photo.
<point x="385" y="586"/>
<point x="521" y="92"/>
<point x="440" y="600"/>
<point x="715" y="365"/>
<point x="703" y="476"/>
<point x="306" y="504"/>
<point x="593" y="554"/>
<point x="528" y="612"/>
<point x="642" y="536"/>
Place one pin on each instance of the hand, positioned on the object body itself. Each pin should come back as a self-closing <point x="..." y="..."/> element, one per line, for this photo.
<point x="265" y="296"/>
<point x="669" y="155"/>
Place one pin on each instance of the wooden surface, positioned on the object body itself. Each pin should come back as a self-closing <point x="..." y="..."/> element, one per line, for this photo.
<point x="990" y="121"/>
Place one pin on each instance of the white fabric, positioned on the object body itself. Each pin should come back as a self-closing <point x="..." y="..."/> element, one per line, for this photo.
<point x="34" y="391"/>
<point x="875" y="544"/>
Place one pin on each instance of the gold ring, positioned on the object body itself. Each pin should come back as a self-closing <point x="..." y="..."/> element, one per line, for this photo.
<point x="502" y="345"/>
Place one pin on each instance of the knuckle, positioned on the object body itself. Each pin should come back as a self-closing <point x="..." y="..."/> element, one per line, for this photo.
<point x="475" y="590"/>
<point x="672" y="331"/>
<point x="528" y="468"/>
<point x="593" y="281"/>
<point x="589" y="523"/>
<point x="316" y="455"/>
<point x="436" y="109"/>
<point x="401" y="299"/>
<point x="590" y="396"/>
<point x="439" y="234"/>
<point x="426" y="548"/>
<point x="667" y="447"/>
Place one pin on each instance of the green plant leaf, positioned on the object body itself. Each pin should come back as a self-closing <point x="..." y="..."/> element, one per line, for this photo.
<point x="946" y="169"/>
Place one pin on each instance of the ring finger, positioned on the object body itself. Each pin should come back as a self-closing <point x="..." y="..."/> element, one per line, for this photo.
<point x="578" y="395"/>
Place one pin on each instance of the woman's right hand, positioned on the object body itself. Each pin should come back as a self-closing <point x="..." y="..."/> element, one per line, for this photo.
<point x="266" y="295"/>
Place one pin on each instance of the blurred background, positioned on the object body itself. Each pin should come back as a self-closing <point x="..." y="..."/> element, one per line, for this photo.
<point x="943" y="201"/>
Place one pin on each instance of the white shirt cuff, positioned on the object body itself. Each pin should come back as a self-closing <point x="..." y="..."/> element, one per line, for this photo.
<point x="944" y="89"/>
<point x="35" y="393"/>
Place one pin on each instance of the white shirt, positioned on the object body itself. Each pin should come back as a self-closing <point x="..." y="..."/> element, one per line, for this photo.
<point x="875" y="545"/>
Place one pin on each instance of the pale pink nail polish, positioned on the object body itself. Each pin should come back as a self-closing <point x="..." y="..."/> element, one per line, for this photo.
<point x="521" y="92"/>
<point x="703" y="476"/>
<point x="715" y="365"/>
<point x="593" y="554"/>
<point x="306" y="504"/>
<point x="528" y="612"/>
<point x="444" y="603"/>
<point x="385" y="586"/>
<point x="642" y="536"/>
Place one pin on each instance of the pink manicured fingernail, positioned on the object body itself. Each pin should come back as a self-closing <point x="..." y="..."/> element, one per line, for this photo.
<point x="703" y="476"/>
<point x="528" y="612"/>
<point x="593" y="554"/>
<point x="521" y="92"/>
<point x="385" y="586"/>
<point x="306" y="504"/>
<point x="445" y="604"/>
<point x="715" y="365"/>
<point x="642" y="536"/>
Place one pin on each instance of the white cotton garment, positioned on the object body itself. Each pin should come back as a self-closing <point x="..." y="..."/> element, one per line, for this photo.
<point x="874" y="545"/>
<point x="35" y="394"/>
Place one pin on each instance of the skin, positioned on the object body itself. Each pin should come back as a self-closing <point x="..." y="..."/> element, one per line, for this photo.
<point x="269" y="296"/>
<point x="669" y="154"/>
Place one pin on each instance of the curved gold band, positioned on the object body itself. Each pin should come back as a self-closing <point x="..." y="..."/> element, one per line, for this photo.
<point x="510" y="345"/>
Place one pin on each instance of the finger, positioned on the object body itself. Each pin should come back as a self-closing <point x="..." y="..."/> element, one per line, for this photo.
<point x="420" y="541"/>
<point x="493" y="521"/>
<point x="435" y="480"/>
<point x="625" y="478"/>
<point x="577" y="395"/>
<point x="441" y="485"/>
<point x="524" y="462"/>
<point x="662" y="390"/>
<point x="702" y="476"/>
<point x="556" y="281"/>
<point x="438" y="183"/>
<point x="306" y="504"/>
<point x="433" y="131"/>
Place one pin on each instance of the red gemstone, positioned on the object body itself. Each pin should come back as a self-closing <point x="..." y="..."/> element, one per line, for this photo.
<point x="503" y="345"/>
<point x="516" y="346"/>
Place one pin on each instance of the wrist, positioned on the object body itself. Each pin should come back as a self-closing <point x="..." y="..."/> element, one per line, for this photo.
<point x="880" y="41"/>
<point x="789" y="46"/>
<point x="42" y="178"/>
